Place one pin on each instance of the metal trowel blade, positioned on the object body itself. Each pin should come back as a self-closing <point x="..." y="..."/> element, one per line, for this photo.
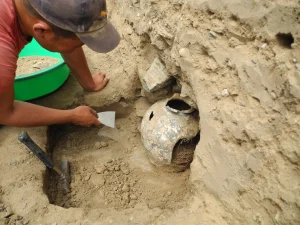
<point x="107" y="118"/>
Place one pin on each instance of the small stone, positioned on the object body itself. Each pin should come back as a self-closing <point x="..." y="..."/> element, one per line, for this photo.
<point x="225" y="93"/>
<point x="125" y="188"/>
<point x="104" y="144"/>
<point x="5" y="214"/>
<point x="233" y="42"/>
<point x="141" y="106"/>
<point x="294" y="60"/>
<point x="109" y="161"/>
<point x="185" y="53"/>
<point x="169" y="193"/>
<point x="294" y="45"/>
<point x="97" y="145"/>
<point x="100" y="169"/>
<point x="125" y="171"/>
<point x="264" y="45"/>
<point x="87" y="177"/>
<point x="133" y="197"/>
<point x="125" y="196"/>
<point x="212" y="33"/>
<point x="274" y="96"/>
<point x="117" y="168"/>
<point x="115" y="188"/>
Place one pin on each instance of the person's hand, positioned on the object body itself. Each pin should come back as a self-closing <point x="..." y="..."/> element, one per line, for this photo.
<point x="85" y="116"/>
<point x="100" y="81"/>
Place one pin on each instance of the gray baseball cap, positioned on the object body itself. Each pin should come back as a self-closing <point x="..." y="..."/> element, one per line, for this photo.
<point x="86" y="18"/>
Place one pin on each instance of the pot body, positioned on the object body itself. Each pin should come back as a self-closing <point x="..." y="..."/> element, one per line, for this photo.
<point x="163" y="128"/>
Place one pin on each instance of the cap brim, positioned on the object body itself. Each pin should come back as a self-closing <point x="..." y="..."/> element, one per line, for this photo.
<point x="103" y="41"/>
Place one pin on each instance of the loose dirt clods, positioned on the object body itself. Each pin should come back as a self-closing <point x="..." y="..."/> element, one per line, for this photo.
<point x="228" y="58"/>
<point x="107" y="171"/>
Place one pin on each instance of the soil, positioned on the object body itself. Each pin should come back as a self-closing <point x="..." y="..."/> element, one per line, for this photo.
<point x="31" y="64"/>
<point x="237" y="61"/>
<point x="110" y="169"/>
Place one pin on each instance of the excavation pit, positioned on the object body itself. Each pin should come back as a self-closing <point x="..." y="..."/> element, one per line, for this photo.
<point x="110" y="167"/>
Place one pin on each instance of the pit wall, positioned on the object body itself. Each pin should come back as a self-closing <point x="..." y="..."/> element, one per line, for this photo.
<point x="226" y="57"/>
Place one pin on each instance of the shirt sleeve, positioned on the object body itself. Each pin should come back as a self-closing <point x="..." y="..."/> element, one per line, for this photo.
<point x="8" y="64"/>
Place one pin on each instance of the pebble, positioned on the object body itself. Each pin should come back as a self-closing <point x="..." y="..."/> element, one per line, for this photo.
<point x="213" y="34"/>
<point x="264" y="45"/>
<point x="125" y="196"/>
<point x="225" y="93"/>
<point x="185" y="52"/>
<point x="294" y="60"/>
<point x="88" y="177"/>
<point x="104" y="144"/>
<point x="125" y="188"/>
<point x="274" y="96"/>
<point x="126" y="171"/>
<point x="97" y="145"/>
<point x="117" y="168"/>
<point x="100" y="169"/>
<point x="5" y="214"/>
<point x="169" y="193"/>
<point x="133" y="197"/>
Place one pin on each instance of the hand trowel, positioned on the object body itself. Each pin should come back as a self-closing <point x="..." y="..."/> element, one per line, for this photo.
<point x="107" y="118"/>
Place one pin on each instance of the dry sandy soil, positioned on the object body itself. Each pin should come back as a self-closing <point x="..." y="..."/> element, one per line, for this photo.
<point x="31" y="64"/>
<point x="237" y="61"/>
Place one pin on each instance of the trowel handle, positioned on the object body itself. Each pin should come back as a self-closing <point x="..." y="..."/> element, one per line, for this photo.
<point x="26" y="140"/>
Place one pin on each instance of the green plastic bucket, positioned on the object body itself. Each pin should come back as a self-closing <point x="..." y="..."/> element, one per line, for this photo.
<point x="43" y="82"/>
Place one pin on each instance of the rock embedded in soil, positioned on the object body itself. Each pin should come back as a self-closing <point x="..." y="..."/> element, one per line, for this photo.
<point x="141" y="106"/>
<point x="5" y="214"/>
<point x="125" y="188"/>
<point x="104" y="144"/>
<point x="133" y="197"/>
<point x="97" y="145"/>
<point x="100" y="169"/>
<point x="125" y="170"/>
<point x="156" y="77"/>
<point x="125" y="197"/>
<point x="87" y="177"/>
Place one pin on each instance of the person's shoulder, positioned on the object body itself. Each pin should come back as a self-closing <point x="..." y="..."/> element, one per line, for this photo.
<point x="7" y="14"/>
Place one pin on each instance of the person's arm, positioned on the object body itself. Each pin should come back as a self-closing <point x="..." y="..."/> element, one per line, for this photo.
<point x="22" y="114"/>
<point x="77" y="63"/>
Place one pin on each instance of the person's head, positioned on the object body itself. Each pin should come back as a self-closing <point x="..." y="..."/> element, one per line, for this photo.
<point x="63" y="25"/>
